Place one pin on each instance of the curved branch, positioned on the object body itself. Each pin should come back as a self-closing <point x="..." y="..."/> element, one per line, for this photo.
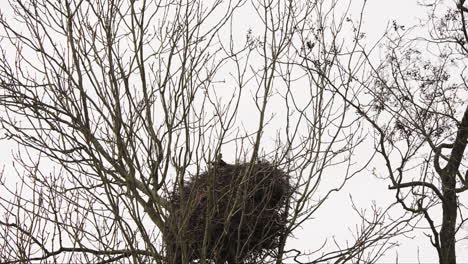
<point x="438" y="151"/>
<point x="416" y="184"/>
<point x="459" y="146"/>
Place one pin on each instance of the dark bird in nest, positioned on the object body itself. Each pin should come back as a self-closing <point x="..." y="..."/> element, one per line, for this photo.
<point x="219" y="161"/>
<point x="222" y="163"/>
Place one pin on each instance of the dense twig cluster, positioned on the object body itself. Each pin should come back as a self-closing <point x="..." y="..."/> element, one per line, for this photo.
<point x="232" y="213"/>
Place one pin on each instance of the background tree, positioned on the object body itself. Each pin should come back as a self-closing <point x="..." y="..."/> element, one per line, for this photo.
<point x="115" y="103"/>
<point x="415" y="98"/>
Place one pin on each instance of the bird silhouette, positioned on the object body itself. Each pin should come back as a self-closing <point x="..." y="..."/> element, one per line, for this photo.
<point x="222" y="163"/>
<point x="219" y="161"/>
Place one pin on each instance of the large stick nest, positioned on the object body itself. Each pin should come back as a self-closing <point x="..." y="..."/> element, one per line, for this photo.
<point x="236" y="213"/>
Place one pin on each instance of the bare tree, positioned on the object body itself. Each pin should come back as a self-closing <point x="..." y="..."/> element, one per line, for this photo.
<point x="414" y="97"/>
<point x="116" y="104"/>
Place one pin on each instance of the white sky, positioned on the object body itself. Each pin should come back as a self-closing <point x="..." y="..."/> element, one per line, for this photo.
<point x="335" y="218"/>
<point x="332" y="220"/>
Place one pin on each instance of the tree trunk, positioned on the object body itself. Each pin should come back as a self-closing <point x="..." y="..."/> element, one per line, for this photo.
<point x="447" y="231"/>
<point x="449" y="203"/>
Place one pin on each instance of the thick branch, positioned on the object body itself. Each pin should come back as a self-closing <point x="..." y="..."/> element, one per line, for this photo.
<point x="438" y="151"/>
<point x="416" y="184"/>
<point x="459" y="146"/>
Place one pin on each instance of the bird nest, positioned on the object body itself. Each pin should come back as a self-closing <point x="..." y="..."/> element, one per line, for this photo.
<point x="229" y="213"/>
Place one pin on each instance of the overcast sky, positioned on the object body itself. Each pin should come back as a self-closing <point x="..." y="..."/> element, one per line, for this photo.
<point x="333" y="218"/>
